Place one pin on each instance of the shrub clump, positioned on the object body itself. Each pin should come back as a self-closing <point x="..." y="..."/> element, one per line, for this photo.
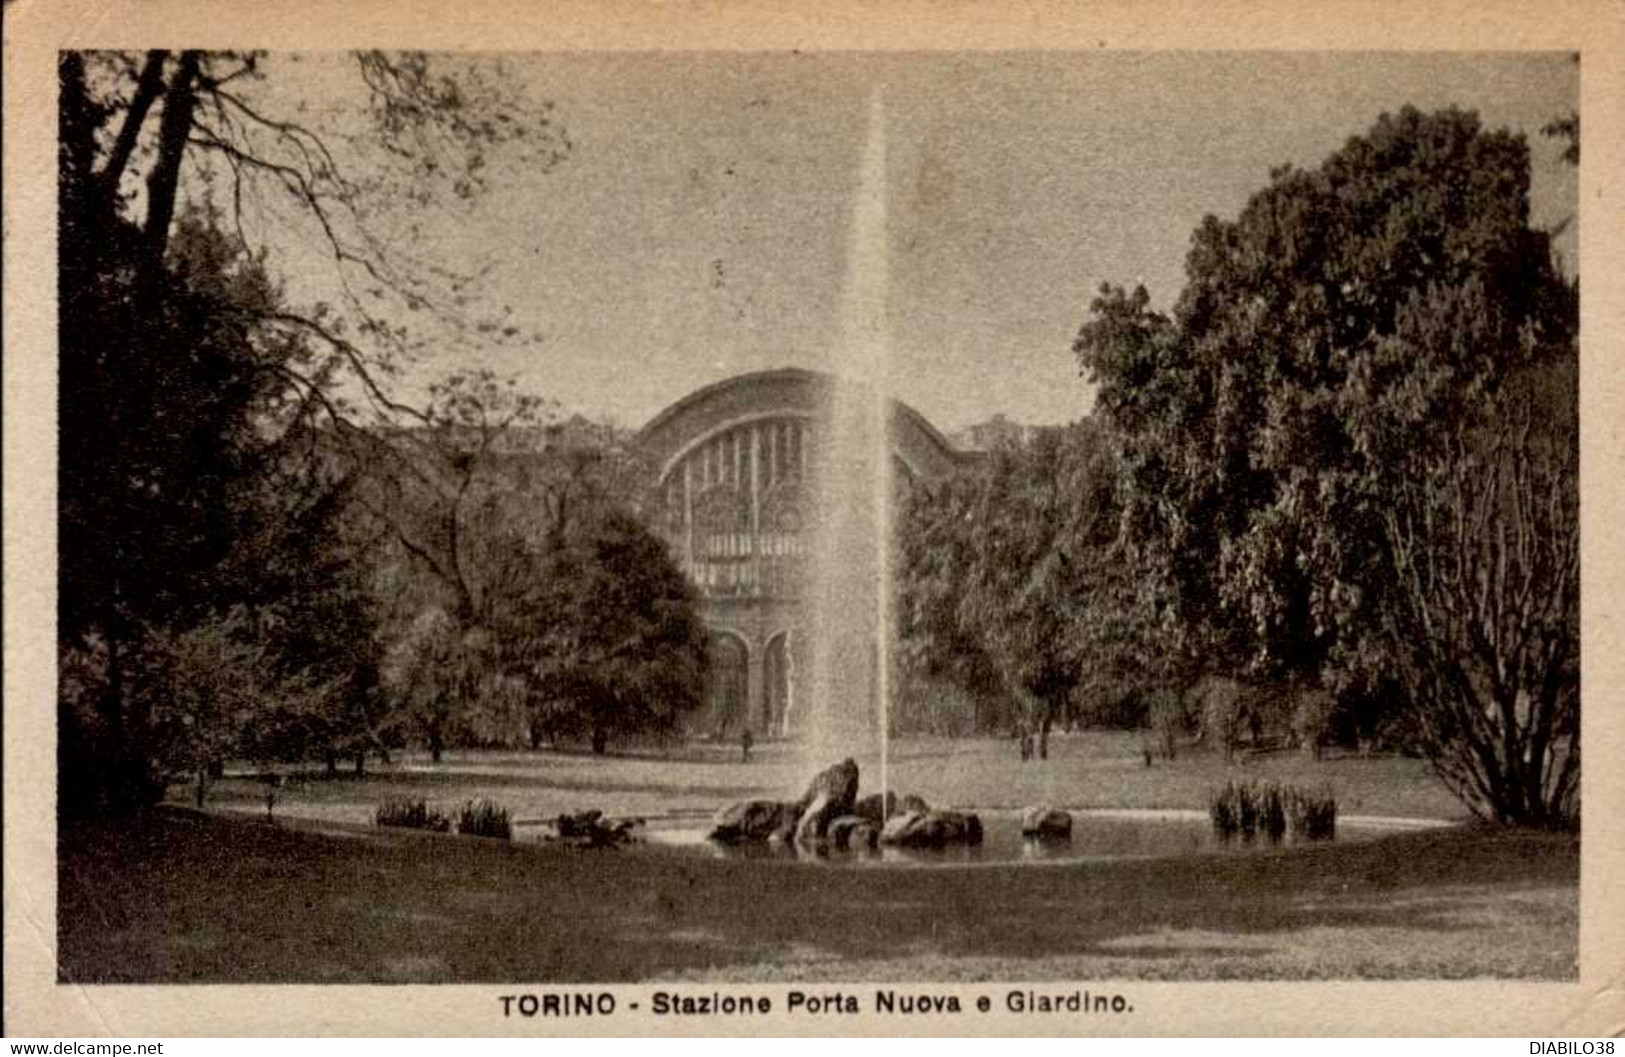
<point x="1272" y="819"/>
<point x="1167" y="722"/>
<point x="1224" y="808"/>
<point x="1312" y="714"/>
<point x="1251" y="808"/>
<point x="411" y="814"/>
<point x="1312" y="813"/>
<point x="484" y="818"/>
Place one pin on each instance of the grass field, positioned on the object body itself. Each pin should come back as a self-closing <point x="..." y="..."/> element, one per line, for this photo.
<point x="1085" y="770"/>
<point x="321" y="896"/>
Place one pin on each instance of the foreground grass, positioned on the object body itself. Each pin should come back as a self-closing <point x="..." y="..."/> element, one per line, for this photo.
<point x="183" y="897"/>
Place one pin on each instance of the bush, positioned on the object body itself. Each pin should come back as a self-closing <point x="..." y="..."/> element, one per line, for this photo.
<point x="1223" y="710"/>
<point x="1168" y="721"/>
<point x="1225" y="811"/>
<point x="1313" y="814"/>
<point x="483" y="818"/>
<point x="1106" y="704"/>
<point x="411" y="814"/>
<point x="1272" y="811"/>
<point x="1250" y="808"/>
<point x="1312" y="714"/>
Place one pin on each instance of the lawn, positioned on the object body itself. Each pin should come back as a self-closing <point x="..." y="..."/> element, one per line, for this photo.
<point x="320" y="896"/>
<point x="1085" y="770"/>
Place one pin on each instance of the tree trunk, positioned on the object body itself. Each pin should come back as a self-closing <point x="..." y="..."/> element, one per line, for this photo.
<point x="147" y="90"/>
<point x="113" y="702"/>
<point x="1043" y="736"/>
<point x="437" y="743"/>
<point x="600" y="741"/>
<point x="361" y="763"/>
<point x="174" y="128"/>
<point x="78" y="134"/>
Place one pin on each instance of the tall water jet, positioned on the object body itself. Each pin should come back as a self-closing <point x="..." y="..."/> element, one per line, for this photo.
<point x="853" y="484"/>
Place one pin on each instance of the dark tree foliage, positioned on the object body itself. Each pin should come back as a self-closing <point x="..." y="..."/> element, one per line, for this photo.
<point x="606" y="634"/>
<point x="1354" y="319"/>
<point x="1010" y="578"/>
<point x="200" y="509"/>
<point x="935" y="645"/>
<point x="484" y="509"/>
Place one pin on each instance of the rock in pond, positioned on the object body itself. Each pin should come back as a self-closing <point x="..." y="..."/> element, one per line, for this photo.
<point x="869" y="807"/>
<point x="852" y="831"/>
<point x="832" y="793"/>
<point x="754" y="822"/>
<point x="590" y="829"/>
<point x="1046" y="823"/>
<point x="932" y="829"/>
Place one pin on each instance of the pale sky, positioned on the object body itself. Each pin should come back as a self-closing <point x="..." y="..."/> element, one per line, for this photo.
<point x="700" y="226"/>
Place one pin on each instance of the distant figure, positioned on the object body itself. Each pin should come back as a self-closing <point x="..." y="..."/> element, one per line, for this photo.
<point x="272" y="782"/>
<point x="745" y="742"/>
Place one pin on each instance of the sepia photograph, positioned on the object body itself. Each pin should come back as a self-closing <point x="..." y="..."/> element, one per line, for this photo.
<point x="806" y="532"/>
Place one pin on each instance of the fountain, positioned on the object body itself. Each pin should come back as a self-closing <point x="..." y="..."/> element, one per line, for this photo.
<point x="849" y="589"/>
<point x="849" y="595"/>
<point x="851" y="582"/>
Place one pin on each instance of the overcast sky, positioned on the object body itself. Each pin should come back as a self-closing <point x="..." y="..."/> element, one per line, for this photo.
<point x="700" y="226"/>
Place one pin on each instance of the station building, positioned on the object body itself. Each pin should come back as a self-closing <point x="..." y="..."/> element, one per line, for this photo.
<point x="734" y="464"/>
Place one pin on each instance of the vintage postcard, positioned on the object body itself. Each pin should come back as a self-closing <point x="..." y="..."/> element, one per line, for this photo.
<point x="838" y="519"/>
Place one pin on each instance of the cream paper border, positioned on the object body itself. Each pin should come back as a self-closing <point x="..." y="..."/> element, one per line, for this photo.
<point x="34" y="1004"/>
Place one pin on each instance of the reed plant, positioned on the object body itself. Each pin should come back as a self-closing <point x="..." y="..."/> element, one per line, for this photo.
<point x="411" y="814"/>
<point x="485" y="818"/>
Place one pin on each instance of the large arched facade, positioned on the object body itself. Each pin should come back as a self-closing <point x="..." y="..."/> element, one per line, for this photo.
<point x="733" y="502"/>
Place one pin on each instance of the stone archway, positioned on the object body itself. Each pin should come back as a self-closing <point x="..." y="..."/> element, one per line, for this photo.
<point x="727" y="683"/>
<point x="736" y="507"/>
<point x="778" y="679"/>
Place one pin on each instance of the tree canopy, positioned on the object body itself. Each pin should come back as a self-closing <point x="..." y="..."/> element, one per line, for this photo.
<point x="1009" y="583"/>
<point x="263" y="551"/>
<point x="1354" y="319"/>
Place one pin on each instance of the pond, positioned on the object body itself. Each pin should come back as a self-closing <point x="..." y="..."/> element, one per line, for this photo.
<point x="1096" y="835"/>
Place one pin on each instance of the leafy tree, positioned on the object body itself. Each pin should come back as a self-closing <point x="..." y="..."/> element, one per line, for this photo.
<point x="446" y="493"/>
<point x="435" y="669"/>
<point x="607" y="634"/>
<point x="207" y="689"/>
<point x="1341" y="328"/>
<point x="190" y="385"/>
<point x="303" y="565"/>
<point x="166" y="462"/>
<point x="936" y="545"/>
<point x="1010" y="577"/>
<point x="485" y="499"/>
<point x="359" y="182"/>
<point x="1483" y="615"/>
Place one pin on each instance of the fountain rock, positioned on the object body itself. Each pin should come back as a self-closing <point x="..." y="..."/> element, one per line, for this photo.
<point x="832" y="793"/>
<point x="869" y="807"/>
<point x="853" y="831"/>
<point x="839" y="784"/>
<point x="1046" y="823"/>
<point x="754" y="822"/>
<point x="590" y="829"/>
<point x="932" y="829"/>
